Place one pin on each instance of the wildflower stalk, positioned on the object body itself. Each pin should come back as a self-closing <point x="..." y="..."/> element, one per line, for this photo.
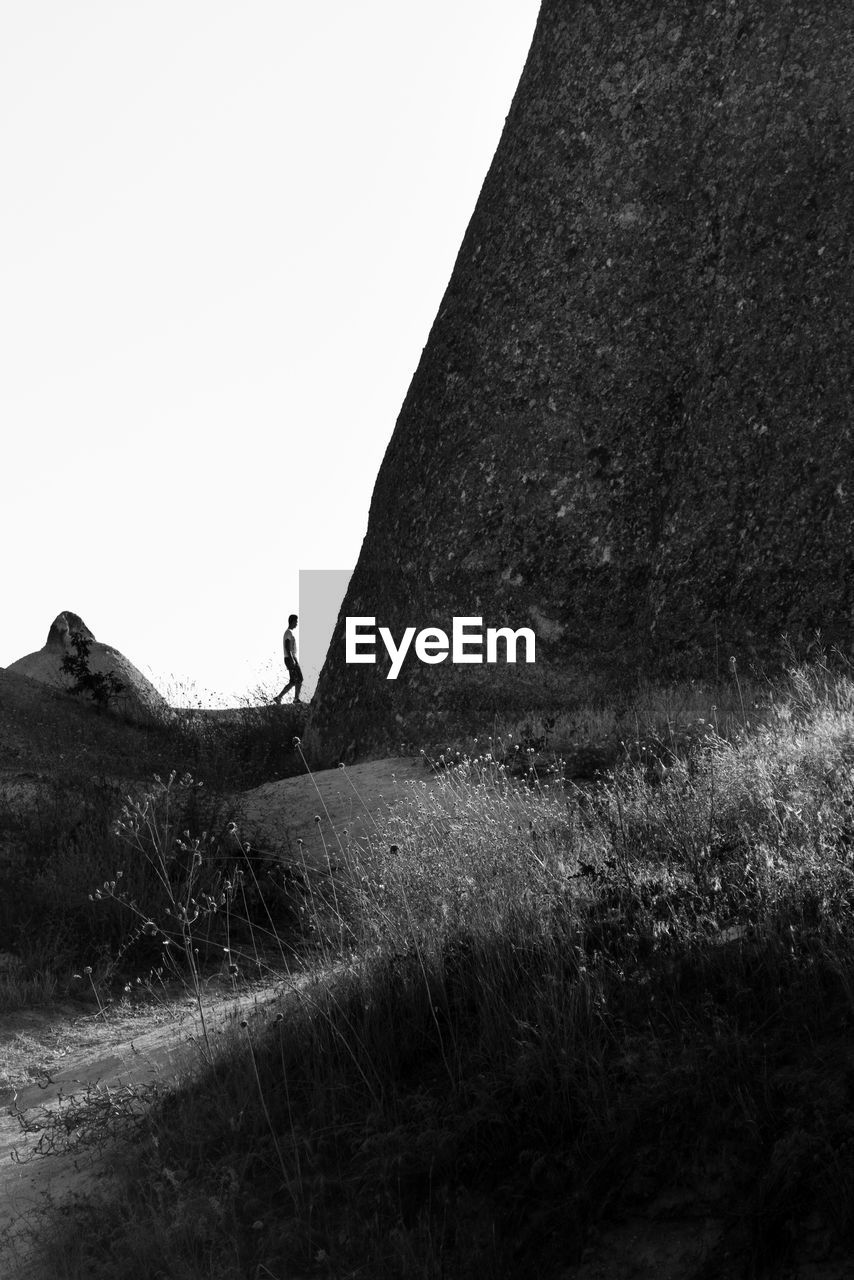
<point x="101" y="1009"/>
<point x="298" y="746"/>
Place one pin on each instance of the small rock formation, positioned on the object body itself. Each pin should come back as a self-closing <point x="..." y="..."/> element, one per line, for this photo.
<point x="630" y="427"/>
<point x="58" y="637"/>
<point x="138" y="699"/>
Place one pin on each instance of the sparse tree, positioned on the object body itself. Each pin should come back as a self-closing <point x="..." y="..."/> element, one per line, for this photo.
<point x="103" y="686"/>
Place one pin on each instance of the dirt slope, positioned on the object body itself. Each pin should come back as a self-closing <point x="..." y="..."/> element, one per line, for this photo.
<point x="348" y="802"/>
<point x="44" y="730"/>
<point x="52" y="1055"/>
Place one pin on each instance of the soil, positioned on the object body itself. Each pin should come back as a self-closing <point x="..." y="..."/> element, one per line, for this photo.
<point x="56" y="1056"/>
<point x="348" y="802"/>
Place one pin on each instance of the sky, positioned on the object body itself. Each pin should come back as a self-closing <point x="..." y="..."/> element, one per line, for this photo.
<point x="225" y="232"/>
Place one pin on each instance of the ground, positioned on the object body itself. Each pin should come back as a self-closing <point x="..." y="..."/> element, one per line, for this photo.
<point x="54" y="1055"/>
<point x="348" y="802"/>
<point x="51" y="1053"/>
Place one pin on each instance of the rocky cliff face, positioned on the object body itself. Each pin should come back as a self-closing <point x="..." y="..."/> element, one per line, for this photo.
<point x="631" y="424"/>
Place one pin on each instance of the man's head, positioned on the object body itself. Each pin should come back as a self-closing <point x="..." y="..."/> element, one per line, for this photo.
<point x="293" y="620"/>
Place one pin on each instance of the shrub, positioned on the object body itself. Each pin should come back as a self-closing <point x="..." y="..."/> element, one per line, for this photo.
<point x="102" y="686"/>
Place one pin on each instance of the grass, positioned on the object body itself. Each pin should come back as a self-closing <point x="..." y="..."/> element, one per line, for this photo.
<point x="64" y="840"/>
<point x="592" y="734"/>
<point x="535" y="1005"/>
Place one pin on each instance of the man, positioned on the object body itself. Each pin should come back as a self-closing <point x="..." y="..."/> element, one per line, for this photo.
<point x="290" y="646"/>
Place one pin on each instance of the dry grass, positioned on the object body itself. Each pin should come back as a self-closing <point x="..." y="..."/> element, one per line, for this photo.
<point x="528" y="995"/>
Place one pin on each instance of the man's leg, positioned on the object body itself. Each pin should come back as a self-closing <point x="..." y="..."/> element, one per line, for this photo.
<point x="293" y="671"/>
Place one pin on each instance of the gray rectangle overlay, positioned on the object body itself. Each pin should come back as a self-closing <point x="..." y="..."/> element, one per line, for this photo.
<point x="321" y="595"/>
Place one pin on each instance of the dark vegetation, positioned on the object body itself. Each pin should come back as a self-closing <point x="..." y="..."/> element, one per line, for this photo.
<point x="538" y="1007"/>
<point x="101" y="686"/>
<point x="66" y="771"/>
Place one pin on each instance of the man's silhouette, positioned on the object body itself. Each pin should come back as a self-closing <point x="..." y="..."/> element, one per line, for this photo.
<point x="289" y="643"/>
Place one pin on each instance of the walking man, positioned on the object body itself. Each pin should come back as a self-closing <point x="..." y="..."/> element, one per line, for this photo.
<point x="289" y="643"/>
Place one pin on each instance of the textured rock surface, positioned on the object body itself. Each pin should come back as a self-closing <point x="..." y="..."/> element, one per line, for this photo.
<point x="631" y="423"/>
<point x="59" y="635"/>
<point x="139" y="698"/>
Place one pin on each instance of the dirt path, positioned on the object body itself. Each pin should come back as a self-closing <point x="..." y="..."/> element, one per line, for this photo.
<point x="48" y="1056"/>
<point x="52" y="1056"/>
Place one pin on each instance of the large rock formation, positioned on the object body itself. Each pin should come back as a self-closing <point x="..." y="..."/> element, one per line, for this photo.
<point x="138" y="699"/>
<point x="631" y="426"/>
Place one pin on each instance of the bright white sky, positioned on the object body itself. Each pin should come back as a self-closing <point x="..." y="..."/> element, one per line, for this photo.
<point x="225" y="231"/>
